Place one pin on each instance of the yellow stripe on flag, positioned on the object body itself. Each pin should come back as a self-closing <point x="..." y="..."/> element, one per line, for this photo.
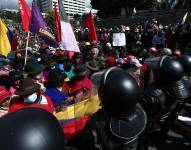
<point x="185" y="17"/>
<point x="78" y="110"/>
<point x="5" y="46"/>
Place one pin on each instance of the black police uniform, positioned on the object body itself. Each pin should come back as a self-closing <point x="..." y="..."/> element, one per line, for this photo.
<point x="185" y="60"/>
<point x="165" y="98"/>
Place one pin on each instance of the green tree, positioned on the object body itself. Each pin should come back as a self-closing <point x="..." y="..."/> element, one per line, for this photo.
<point x="50" y="20"/>
<point x="106" y="7"/>
<point x="184" y="3"/>
<point x="109" y="8"/>
<point x="14" y="16"/>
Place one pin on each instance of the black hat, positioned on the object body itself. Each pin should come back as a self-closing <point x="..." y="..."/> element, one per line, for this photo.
<point x="26" y="87"/>
<point x="93" y="65"/>
<point x="81" y="70"/>
<point x="15" y="75"/>
<point x="31" y="129"/>
<point x="47" y="61"/>
<point x="186" y="62"/>
<point x="169" y="70"/>
<point x="33" y="67"/>
<point x="56" y="75"/>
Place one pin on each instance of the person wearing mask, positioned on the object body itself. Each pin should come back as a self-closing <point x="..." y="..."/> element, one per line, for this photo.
<point x="29" y="95"/>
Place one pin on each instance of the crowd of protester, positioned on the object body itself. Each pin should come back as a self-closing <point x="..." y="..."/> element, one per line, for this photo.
<point x="52" y="79"/>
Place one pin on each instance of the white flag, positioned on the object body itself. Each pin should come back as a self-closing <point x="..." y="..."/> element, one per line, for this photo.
<point x="69" y="42"/>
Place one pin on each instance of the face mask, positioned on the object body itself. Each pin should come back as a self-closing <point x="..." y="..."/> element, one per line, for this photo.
<point x="31" y="98"/>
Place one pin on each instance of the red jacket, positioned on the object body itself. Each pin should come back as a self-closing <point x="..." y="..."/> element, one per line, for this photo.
<point x="148" y="76"/>
<point x="145" y="72"/>
<point x="111" y="61"/>
<point x="45" y="103"/>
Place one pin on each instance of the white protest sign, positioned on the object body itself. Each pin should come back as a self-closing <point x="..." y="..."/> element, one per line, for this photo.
<point x="119" y="39"/>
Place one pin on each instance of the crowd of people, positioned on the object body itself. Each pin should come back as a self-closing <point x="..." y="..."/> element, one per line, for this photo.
<point x="142" y="87"/>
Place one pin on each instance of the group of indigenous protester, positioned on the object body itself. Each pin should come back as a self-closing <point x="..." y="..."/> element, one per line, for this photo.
<point x="134" y="96"/>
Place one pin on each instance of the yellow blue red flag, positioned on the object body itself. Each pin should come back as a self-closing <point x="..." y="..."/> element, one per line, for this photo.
<point x="81" y="109"/>
<point x="73" y="118"/>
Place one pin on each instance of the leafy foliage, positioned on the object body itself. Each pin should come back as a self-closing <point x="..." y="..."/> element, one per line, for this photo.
<point x="14" y="16"/>
<point x="50" y="20"/>
<point x="113" y="7"/>
<point x="109" y="8"/>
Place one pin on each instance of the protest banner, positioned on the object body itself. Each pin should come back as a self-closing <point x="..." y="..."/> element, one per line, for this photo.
<point x="119" y="39"/>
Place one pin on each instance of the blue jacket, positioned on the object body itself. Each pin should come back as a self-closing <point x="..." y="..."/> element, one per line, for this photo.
<point x="57" y="97"/>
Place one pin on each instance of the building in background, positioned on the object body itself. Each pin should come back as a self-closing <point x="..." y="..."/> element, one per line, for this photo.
<point x="45" y="5"/>
<point x="72" y="7"/>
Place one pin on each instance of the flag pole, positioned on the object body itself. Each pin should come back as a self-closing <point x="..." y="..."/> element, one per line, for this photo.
<point x="26" y="50"/>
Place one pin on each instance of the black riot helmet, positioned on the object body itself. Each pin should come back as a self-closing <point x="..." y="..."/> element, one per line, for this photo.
<point x="31" y="129"/>
<point x="185" y="60"/>
<point x="169" y="70"/>
<point x="118" y="92"/>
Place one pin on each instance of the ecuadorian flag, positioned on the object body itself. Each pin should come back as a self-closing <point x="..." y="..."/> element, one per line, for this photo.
<point x="74" y="117"/>
<point x="5" y="46"/>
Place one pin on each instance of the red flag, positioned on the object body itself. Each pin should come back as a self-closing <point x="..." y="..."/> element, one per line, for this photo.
<point x="74" y="128"/>
<point x="89" y="23"/>
<point x="25" y="13"/>
<point x="14" y="44"/>
<point x="58" y="25"/>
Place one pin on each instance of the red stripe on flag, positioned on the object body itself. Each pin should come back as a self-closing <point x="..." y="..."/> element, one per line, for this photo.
<point x="58" y="25"/>
<point x="74" y="128"/>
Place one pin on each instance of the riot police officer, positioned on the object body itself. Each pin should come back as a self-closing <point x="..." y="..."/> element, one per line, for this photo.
<point x="165" y="98"/>
<point x="121" y="120"/>
<point x="185" y="60"/>
<point x="31" y="129"/>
